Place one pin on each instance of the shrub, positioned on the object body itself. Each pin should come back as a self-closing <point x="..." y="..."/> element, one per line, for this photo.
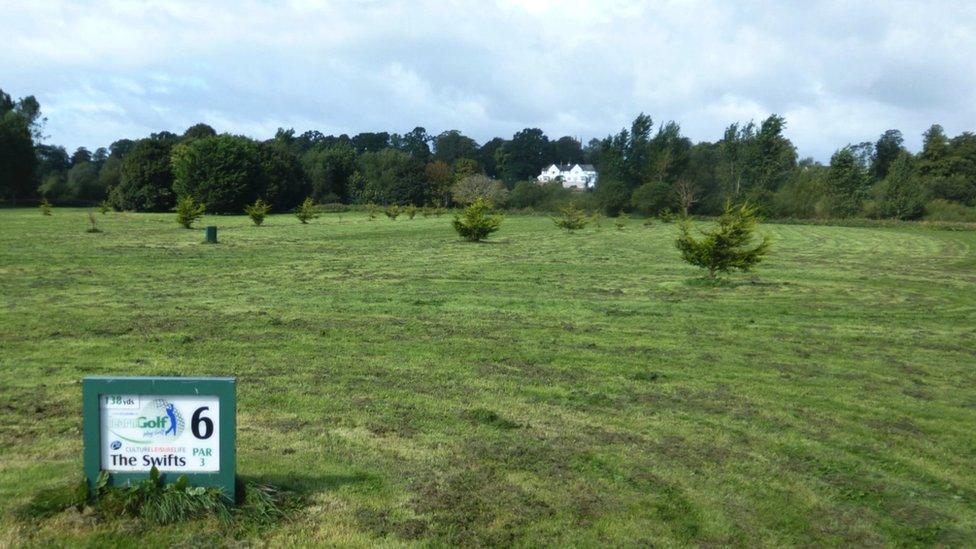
<point x="188" y="211"/>
<point x="258" y="211"/>
<point x="943" y="210"/>
<point x="649" y="222"/>
<point x="667" y="216"/>
<point x="726" y="247"/>
<point x="621" y="221"/>
<point x="372" y="210"/>
<point x="104" y="207"/>
<point x="651" y="198"/>
<point x="392" y="211"/>
<point x="613" y="196"/>
<point x="333" y="207"/>
<point x="572" y="218"/>
<point x="306" y="211"/>
<point x="45" y="207"/>
<point x="477" y="220"/>
<point x="597" y="219"/>
<point x="92" y="223"/>
<point x="411" y="211"/>
<point x="472" y="187"/>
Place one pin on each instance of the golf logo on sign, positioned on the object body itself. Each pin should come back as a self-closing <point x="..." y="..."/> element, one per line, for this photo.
<point x="175" y="433"/>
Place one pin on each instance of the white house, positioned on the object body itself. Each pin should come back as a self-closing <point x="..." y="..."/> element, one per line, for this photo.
<point x="579" y="176"/>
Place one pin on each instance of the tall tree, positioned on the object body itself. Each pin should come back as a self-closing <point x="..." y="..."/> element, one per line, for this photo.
<point x="223" y="172"/>
<point x="847" y="183"/>
<point x="18" y="163"/>
<point x="329" y="171"/>
<point x="283" y="181"/>
<point x="440" y="177"/>
<point x="452" y="145"/>
<point x="888" y="147"/>
<point x="901" y="194"/>
<point x="524" y="156"/>
<point x="486" y="156"/>
<point x="776" y="154"/>
<point x="370" y="142"/>
<point x="198" y="131"/>
<point x="567" y="150"/>
<point x="935" y="147"/>
<point x="416" y="143"/>
<point x="83" y="182"/>
<point x="80" y="155"/>
<point x="390" y="177"/>
<point x="145" y="177"/>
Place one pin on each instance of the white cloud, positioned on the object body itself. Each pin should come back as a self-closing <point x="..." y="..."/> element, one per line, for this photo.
<point x="840" y="72"/>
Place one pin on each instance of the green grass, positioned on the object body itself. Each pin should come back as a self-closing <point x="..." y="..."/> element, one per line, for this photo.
<point x="544" y="388"/>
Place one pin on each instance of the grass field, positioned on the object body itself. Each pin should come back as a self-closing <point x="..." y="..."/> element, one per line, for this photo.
<point x="541" y="389"/>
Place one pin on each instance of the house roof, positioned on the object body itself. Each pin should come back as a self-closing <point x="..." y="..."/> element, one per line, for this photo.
<point x="567" y="167"/>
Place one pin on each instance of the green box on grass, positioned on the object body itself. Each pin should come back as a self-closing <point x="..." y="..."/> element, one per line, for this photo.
<point x="184" y="426"/>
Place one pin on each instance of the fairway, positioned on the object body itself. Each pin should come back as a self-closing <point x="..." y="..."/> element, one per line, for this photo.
<point x="543" y="388"/>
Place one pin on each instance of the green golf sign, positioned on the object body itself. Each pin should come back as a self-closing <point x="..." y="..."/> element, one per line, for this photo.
<point x="182" y="426"/>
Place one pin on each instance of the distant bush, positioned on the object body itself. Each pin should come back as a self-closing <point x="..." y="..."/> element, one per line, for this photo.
<point x="372" y="210"/>
<point x="612" y="196"/>
<point x="571" y="218"/>
<point x="621" y="221"/>
<point x="411" y="211"/>
<point x="546" y="197"/>
<point x="597" y="219"/>
<point x="104" y="207"/>
<point x="667" y="216"/>
<point x="943" y="210"/>
<point x="333" y="207"/>
<point x="45" y="207"/>
<point x="651" y="198"/>
<point x="477" y="186"/>
<point x="92" y="223"/>
<point x="188" y="211"/>
<point x="392" y="211"/>
<point x="477" y="221"/>
<point x="726" y="247"/>
<point x="258" y="211"/>
<point x="306" y="211"/>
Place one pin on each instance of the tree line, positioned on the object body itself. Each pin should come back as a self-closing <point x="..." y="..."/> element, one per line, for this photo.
<point x="646" y="169"/>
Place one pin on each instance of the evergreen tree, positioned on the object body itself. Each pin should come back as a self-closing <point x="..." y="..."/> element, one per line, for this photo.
<point x="901" y="195"/>
<point x="727" y="247"/>
<point x="846" y="183"/>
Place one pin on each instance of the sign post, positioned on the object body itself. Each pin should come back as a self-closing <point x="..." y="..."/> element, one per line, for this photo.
<point x="184" y="426"/>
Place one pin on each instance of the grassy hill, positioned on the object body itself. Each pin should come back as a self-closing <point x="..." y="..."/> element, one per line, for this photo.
<point x="542" y="388"/>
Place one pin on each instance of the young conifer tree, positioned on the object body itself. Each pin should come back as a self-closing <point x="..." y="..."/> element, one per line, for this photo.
<point x="188" y="211"/>
<point x="477" y="221"/>
<point x="728" y="246"/>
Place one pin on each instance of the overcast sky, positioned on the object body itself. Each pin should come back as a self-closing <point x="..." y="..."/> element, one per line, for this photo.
<point x="839" y="71"/>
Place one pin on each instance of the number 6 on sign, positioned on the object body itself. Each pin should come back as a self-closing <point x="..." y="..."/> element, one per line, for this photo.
<point x="197" y="420"/>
